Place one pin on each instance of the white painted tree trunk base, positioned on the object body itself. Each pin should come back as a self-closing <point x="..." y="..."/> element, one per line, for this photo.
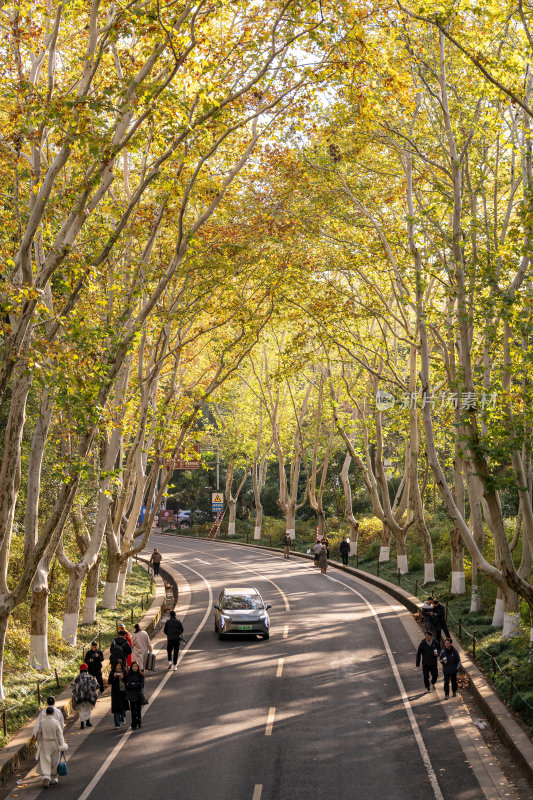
<point x="129" y="568"/>
<point x="109" y="600"/>
<point x="497" y="617"/>
<point x="458" y="582"/>
<point x="511" y="625"/>
<point x="70" y="628"/>
<point x="475" y="600"/>
<point x="291" y="532"/>
<point x="89" y="611"/>
<point x="257" y="533"/>
<point x="429" y="573"/>
<point x="39" y="651"/>
<point x="531" y="635"/>
<point x="402" y="564"/>
<point x="231" y="529"/>
<point x="121" y="585"/>
<point x="384" y="554"/>
<point x="353" y="548"/>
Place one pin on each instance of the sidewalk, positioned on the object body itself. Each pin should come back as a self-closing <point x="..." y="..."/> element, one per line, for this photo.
<point x="20" y="746"/>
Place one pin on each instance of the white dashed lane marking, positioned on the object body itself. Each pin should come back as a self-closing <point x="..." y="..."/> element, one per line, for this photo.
<point x="270" y="721"/>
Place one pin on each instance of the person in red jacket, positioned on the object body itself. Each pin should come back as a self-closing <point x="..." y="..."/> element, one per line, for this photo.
<point x="122" y="630"/>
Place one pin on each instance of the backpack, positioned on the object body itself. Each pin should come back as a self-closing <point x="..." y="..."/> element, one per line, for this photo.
<point x="116" y="652"/>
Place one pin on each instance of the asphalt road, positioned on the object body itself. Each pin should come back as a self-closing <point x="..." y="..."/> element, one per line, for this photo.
<point x="330" y="707"/>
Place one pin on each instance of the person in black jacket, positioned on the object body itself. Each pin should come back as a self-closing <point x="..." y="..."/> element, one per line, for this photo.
<point x="438" y="620"/>
<point x="428" y="651"/>
<point x="173" y="630"/>
<point x="451" y="661"/>
<point x="344" y="550"/>
<point x="120" y="649"/>
<point x="119" y="703"/>
<point x="134" y="693"/>
<point x="94" y="658"/>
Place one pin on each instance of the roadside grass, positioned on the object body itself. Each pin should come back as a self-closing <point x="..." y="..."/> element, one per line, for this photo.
<point x="507" y="665"/>
<point x="20" y="681"/>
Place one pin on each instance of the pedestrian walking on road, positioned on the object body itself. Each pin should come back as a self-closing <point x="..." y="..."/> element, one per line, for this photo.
<point x="427" y="611"/>
<point x="84" y="695"/>
<point x="123" y="632"/>
<point x="50" y="743"/>
<point x="344" y="550"/>
<point x="134" y="694"/>
<point x="316" y="550"/>
<point x="323" y="559"/>
<point x="325" y="543"/>
<point x="94" y="658"/>
<point x="58" y="715"/>
<point x="120" y="649"/>
<point x="173" y="630"/>
<point x="142" y="646"/>
<point x="451" y="661"/>
<point x="119" y="703"/>
<point x="428" y="651"/>
<point x="155" y="560"/>
<point x="438" y="621"/>
<point x="286" y="545"/>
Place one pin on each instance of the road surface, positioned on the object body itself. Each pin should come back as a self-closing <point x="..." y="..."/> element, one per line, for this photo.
<point x="331" y="706"/>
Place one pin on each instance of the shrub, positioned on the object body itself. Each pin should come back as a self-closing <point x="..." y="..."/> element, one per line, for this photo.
<point x="372" y="551"/>
<point x="443" y="566"/>
<point x="416" y="559"/>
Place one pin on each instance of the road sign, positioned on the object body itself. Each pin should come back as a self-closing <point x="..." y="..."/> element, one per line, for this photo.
<point x="217" y="502"/>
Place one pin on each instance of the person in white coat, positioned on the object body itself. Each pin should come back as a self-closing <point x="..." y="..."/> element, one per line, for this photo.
<point x="50" y="743"/>
<point x="58" y="715"/>
<point x="142" y="646"/>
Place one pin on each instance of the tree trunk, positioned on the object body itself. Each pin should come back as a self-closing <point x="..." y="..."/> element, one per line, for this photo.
<point x="384" y="550"/>
<point x="39" y="623"/>
<point x="39" y="615"/>
<point x="109" y="600"/>
<point x="476" y="523"/>
<point x="232" y="508"/>
<point x="91" y="594"/>
<point x="121" y="585"/>
<point x="258" y="521"/>
<point x="457" y="558"/>
<point x="72" y="607"/>
<point x="497" y="616"/>
<point x="348" y="505"/>
<point x="511" y="615"/>
<point x="290" y="524"/>
<point x="401" y="553"/>
<point x="4" y="620"/>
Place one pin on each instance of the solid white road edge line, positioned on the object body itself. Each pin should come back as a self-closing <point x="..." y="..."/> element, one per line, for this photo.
<point x="280" y="667"/>
<point x="412" y="719"/>
<point x="270" y="720"/>
<point x="285" y="631"/>
<point x="118" y="747"/>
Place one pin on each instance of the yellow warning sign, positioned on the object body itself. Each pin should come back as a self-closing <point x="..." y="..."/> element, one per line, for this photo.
<point x="217" y="498"/>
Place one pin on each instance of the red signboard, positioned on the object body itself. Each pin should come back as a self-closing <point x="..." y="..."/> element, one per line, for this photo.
<point x="186" y="460"/>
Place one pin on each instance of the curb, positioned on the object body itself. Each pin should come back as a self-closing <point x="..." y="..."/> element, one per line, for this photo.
<point x="498" y="714"/>
<point x="20" y="747"/>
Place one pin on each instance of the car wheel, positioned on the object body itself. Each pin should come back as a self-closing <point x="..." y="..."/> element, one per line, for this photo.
<point x="220" y="635"/>
<point x="266" y="636"/>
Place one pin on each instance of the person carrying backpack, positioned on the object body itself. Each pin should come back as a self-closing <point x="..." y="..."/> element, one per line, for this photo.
<point x="173" y="630"/>
<point x="119" y="650"/>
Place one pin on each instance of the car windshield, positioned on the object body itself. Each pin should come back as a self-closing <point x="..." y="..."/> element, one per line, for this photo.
<point x="241" y="602"/>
